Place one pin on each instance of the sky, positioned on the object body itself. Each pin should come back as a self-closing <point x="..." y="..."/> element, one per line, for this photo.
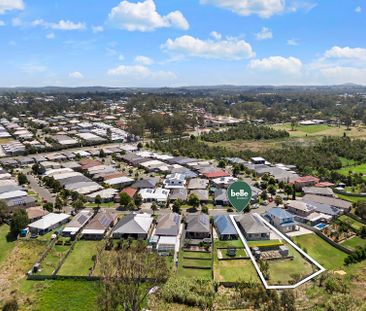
<point x="151" y="43"/>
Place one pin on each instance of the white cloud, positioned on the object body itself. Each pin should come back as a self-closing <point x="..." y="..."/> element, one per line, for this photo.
<point x="76" y="75"/>
<point x="140" y="72"/>
<point x="33" y="67"/>
<point x="143" y="16"/>
<point x="9" y="5"/>
<point x="2" y="23"/>
<point x="216" y="35"/>
<point x="358" y="9"/>
<point x="229" y="48"/>
<point x="143" y="60"/>
<point x="292" y="42"/>
<point x="50" y="36"/>
<point x="60" y="25"/>
<point x="346" y="52"/>
<point x="262" y="8"/>
<point x="264" y="34"/>
<point x="290" y="65"/>
<point x="340" y="74"/>
<point x="16" y="22"/>
<point x="97" y="29"/>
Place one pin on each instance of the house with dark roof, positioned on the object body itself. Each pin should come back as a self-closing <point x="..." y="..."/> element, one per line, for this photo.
<point x="324" y="191"/>
<point x="281" y="219"/>
<point x="135" y="226"/>
<point x="198" y="227"/>
<point x="252" y="227"/>
<point x="178" y="194"/>
<point x="77" y="223"/>
<point x="326" y="209"/>
<point x="202" y="195"/>
<point x="225" y="228"/>
<point x="338" y="203"/>
<point x="99" y="226"/>
<point x="168" y="225"/>
<point x="220" y="197"/>
<point x="148" y="183"/>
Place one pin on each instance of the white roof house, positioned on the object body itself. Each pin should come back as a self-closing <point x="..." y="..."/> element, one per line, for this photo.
<point x="158" y="194"/>
<point x="174" y="181"/>
<point x="48" y="222"/>
<point x="123" y="180"/>
<point x="12" y="194"/>
<point x="79" y="221"/>
<point x="105" y="194"/>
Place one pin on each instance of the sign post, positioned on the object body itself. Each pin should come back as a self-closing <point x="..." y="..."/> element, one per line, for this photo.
<point x="239" y="194"/>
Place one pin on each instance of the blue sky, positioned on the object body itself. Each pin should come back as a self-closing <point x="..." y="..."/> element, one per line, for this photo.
<point x="182" y="42"/>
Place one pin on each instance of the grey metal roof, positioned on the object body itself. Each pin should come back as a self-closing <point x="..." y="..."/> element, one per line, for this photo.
<point x="224" y="225"/>
<point x="198" y="223"/>
<point x="168" y="225"/>
<point x="252" y="224"/>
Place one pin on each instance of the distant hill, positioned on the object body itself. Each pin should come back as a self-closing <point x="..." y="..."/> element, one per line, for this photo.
<point x="331" y="89"/>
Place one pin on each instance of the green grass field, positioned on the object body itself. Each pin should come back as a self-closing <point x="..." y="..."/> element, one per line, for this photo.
<point x="63" y="295"/>
<point x="324" y="253"/>
<point x="5" y="246"/>
<point x="226" y="244"/>
<point x="49" y="264"/>
<point x="197" y="255"/>
<point x="282" y="271"/>
<point x="356" y="225"/>
<point x="80" y="259"/>
<point x="347" y="162"/>
<point x="359" y="169"/>
<point x="265" y="243"/>
<point x="194" y="273"/>
<point x="353" y="199"/>
<point x="354" y="243"/>
<point x="235" y="270"/>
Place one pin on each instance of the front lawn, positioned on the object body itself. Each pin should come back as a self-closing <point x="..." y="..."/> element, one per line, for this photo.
<point x="80" y="260"/>
<point x="328" y="256"/>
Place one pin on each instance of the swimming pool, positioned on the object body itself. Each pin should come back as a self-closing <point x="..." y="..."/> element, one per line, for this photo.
<point x="320" y="226"/>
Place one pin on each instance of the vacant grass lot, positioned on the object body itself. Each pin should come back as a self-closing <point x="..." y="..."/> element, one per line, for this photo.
<point x="80" y="260"/>
<point x="285" y="271"/>
<point x="5" y="245"/>
<point x="328" y="256"/>
<point x="65" y="295"/>
<point x="354" y="243"/>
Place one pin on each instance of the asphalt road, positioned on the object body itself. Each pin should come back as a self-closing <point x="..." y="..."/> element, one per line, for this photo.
<point x="42" y="191"/>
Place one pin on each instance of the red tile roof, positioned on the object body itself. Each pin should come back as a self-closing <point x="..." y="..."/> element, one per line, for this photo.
<point x="216" y="174"/>
<point x="324" y="184"/>
<point x="130" y="191"/>
<point x="307" y="179"/>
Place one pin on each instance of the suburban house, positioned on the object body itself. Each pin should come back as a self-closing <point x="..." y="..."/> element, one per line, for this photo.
<point x="136" y="226"/>
<point x="281" y="219"/>
<point x="78" y="222"/>
<point x="97" y="228"/>
<point x="252" y="227"/>
<point x="258" y="160"/>
<point x="202" y="195"/>
<point x="338" y="203"/>
<point x="198" y="183"/>
<point x="306" y="213"/>
<point x="178" y="194"/>
<point x="225" y="228"/>
<point x="220" y="197"/>
<point x="48" y="223"/>
<point x="216" y="174"/>
<point x="324" y="191"/>
<point x="223" y="182"/>
<point x="327" y="209"/>
<point x="154" y="195"/>
<point x="35" y="213"/>
<point x="168" y="225"/>
<point x="174" y="181"/>
<point x="306" y="181"/>
<point x="198" y="227"/>
<point x="145" y="183"/>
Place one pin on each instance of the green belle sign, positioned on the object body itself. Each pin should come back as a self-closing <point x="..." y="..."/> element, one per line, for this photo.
<point x="239" y="194"/>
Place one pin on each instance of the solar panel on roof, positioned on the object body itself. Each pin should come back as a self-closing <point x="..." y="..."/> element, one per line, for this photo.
<point x="82" y="219"/>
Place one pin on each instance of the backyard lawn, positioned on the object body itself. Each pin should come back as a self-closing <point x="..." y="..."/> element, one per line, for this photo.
<point x="328" y="256"/>
<point x="49" y="264"/>
<point x="80" y="260"/>
<point x="5" y="246"/>
<point x="354" y="169"/>
<point x="285" y="271"/>
<point x="191" y="272"/>
<point x="235" y="270"/>
<point x="356" y="225"/>
<point x="354" y="243"/>
<point x="64" y="295"/>
<point x="227" y="244"/>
